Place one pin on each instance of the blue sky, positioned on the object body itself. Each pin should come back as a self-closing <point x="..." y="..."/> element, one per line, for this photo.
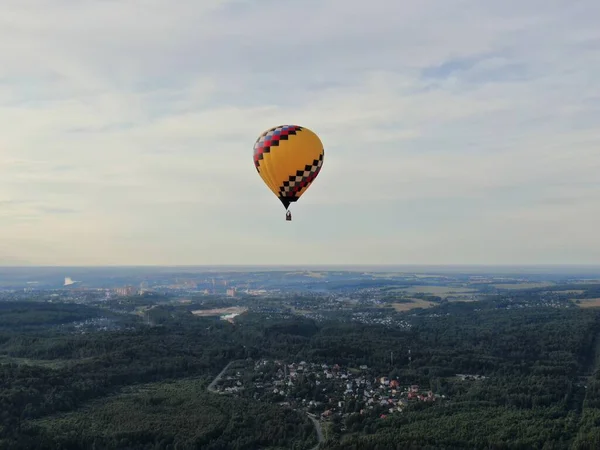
<point x="455" y="131"/>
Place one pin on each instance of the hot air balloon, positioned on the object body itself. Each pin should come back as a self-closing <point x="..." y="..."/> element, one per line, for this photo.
<point x="288" y="158"/>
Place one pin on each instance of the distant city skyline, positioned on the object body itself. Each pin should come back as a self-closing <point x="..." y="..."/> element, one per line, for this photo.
<point x="455" y="132"/>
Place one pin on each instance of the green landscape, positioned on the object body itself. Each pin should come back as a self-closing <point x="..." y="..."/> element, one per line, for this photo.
<point x="143" y="383"/>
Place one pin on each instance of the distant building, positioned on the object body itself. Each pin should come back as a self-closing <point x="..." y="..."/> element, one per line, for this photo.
<point x="231" y="292"/>
<point x="126" y="291"/>
<point x="143" y="288"/>
<point x="69" y="281"/>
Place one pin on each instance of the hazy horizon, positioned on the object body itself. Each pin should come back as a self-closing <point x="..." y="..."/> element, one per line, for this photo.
<point x="565" y="269"/>
<point x="460" y="132"/>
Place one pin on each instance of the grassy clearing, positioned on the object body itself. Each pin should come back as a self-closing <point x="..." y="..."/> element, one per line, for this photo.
<point x="308" y="274"/>
<point x="219" y="311"/>
<point x="415" y="303"/>
<point x="440" y="291"/>
<point x="589" y="303"/>
<point x="542" y="284"/>
<point x="428" y="276"/>
<point x="383" y="274"/>
<point x="50" y="363"/>
<point x="571" y="291"/>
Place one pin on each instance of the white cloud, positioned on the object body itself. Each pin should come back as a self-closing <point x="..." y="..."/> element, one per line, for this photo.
<point x="455" y="131"/>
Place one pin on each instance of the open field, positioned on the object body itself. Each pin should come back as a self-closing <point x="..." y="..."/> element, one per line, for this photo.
<point x="416" y="275"/>
<point x="415" y="303"/>
<point x="309" y="274"/>
<point x="570" y="291"/>
<point x="542" y="284"/>
<point x="440" y="291"/>
<point x="219" y="311"/>
<point x="589" y="303"/>
<point x="50" y="363"/>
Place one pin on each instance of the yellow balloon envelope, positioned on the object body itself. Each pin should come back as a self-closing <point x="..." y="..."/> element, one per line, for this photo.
<point x="288" y="158"/>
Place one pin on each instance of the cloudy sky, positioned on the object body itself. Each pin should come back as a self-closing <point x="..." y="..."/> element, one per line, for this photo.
<point x="455" y="131"/>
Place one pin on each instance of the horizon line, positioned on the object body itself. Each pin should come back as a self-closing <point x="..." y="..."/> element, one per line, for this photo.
<point x="432" y="265"/>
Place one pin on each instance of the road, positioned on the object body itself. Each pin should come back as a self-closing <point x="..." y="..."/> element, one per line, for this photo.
<point x="312" y="417"/>
<point x="211" y="386"/>
<point x="319" y="430"/>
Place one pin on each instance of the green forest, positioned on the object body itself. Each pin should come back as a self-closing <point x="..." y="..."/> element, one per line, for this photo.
<point x="138" y="386"/>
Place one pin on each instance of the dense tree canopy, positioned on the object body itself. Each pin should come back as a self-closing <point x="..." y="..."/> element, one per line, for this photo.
<point x="139" y="386"/>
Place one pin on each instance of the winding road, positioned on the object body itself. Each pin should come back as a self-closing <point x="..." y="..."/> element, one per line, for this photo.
<point x="312" y="417"/>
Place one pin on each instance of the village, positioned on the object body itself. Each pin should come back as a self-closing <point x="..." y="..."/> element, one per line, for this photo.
<point x="322" y="389"/>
